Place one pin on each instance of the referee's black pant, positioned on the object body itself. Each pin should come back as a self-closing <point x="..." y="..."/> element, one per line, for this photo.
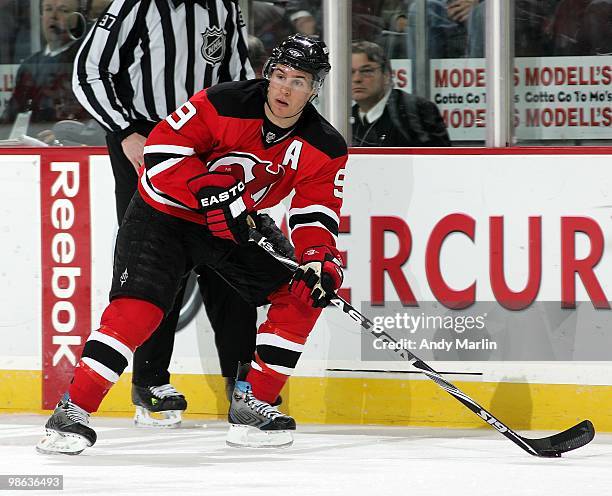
<point x="232" y="319"/>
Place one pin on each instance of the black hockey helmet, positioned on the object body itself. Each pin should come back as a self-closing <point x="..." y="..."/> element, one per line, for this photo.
<point x="301" y="52"/>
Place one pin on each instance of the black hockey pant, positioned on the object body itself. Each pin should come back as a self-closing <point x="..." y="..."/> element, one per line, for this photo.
<point x="232" y="319"/>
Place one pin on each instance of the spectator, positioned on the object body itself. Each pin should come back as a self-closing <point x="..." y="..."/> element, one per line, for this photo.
<point x="598" y="27"/>
<point x="270" y="23"/>
<point x="71" y="132"/>
<point x="313" y="7"/>
<point x="533" y="19"/>
<point x="367" y="22"/>
<point x="476" y="32"/>
<point x="366" y="18"/>
<point x="582" y="27"/>
<point x="400" y="22"/>
<point x="446" y="26"/>
<point x="14" y="31"/>
<point x="43" y="85"/>
<point x="383" y="116"/>
<point x="532" y="26"/>
<point x="395" y="40"/>
<point x="304" y="23"/>
<point x="459" y="10"/>
<point x="257" y="54"/>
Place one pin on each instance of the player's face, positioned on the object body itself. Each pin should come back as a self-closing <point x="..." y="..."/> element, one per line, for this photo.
<point x="368" y="80"/>
<point x="57" y="17"/>
<point x="289" y="90"/>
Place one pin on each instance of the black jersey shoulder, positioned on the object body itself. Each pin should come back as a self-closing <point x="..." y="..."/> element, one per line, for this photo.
<point x="320" y="134"/>
<point x="241" y="99"/>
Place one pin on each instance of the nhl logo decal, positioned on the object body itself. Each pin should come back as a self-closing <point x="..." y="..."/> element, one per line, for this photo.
<point x="213" y="45"/>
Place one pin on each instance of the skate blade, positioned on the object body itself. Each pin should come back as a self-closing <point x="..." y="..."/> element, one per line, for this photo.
<point x="245" y="436"/>
<point x="57" y="443"/>
<point x="169" y="419"/>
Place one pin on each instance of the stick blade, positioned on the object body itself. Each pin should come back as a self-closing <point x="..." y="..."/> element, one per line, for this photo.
<point x="570" y="439"/>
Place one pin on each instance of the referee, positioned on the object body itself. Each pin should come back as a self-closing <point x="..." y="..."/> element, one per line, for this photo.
<point x="142" y="60"/>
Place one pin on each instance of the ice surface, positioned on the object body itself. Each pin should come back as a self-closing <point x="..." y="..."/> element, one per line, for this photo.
<point x="324" y="460"/>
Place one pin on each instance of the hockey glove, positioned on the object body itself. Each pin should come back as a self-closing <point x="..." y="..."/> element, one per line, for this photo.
<point x="318" y="276"/>
<point x="225" y="203"/>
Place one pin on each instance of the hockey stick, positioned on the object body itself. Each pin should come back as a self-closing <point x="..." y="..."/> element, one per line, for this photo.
<point x="551" y="446"/>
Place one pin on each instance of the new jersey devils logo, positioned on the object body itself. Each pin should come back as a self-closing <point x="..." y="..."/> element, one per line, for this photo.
<point x="258" y="175"/>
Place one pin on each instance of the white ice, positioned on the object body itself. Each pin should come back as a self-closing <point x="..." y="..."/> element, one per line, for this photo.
<point x="324" y="460"/>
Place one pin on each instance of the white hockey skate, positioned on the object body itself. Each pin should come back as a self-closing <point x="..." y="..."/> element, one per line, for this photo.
<point x="246" y="436"/>
<point x="67" y="430"/>
<point x="158" y="406"/>
<point x="255" y="423"/>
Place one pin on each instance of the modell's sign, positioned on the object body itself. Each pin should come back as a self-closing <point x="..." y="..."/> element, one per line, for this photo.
<point x="554" y="97"/>
<point x="66" y="279"/>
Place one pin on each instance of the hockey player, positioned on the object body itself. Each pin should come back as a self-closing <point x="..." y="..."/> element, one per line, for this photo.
<point x="140" y="61"/>
<point x="230" y="150"/>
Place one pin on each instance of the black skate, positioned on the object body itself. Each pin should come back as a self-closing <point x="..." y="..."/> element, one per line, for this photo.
<point x="255" y="423"/>
<point x="158" y="406"/>
<point x="67" y="430"/>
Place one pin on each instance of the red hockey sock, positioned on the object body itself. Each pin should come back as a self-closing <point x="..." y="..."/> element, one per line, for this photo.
<point x="88" y="388"/>
<point x="266" y="384"/>
<point x="126" y="324"/>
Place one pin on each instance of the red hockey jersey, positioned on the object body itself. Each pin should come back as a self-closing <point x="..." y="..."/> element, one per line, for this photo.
<point x="220" y="129"/>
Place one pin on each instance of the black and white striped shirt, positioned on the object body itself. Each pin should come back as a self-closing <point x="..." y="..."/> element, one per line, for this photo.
<point x="145" y="58"/>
